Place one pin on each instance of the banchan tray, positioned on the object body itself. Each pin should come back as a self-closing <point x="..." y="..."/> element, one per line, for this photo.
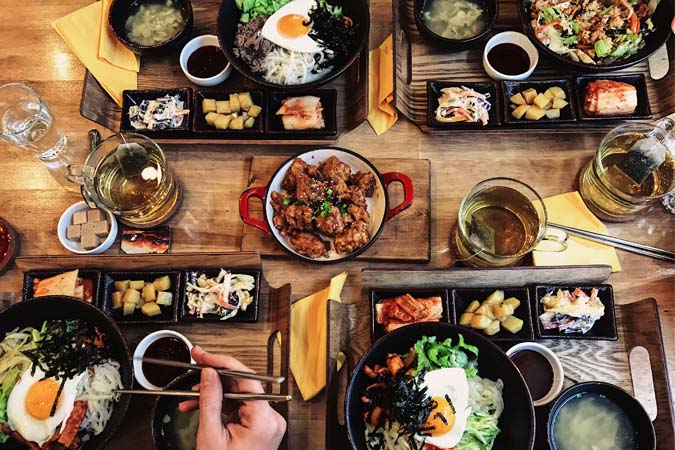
<point x="416" y="61"/>
<point x="164" y="72"/>
<point x="254" y="343"/>
<point x="610" y="361"/>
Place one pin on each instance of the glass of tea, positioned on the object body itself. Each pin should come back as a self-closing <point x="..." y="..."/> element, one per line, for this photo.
<point x="500" y="221"/>
<point x="128" y="174"/>
<point x="633" y="167"/>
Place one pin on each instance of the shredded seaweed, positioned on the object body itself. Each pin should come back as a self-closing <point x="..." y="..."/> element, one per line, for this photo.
<point x="332" y="30"/>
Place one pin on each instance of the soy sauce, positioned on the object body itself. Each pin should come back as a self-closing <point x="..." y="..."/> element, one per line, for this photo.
<point x="206" y="62"/>
<point x="509" y="59"/>
<point x="536" y="370"/>
<point x="169" y="348"/>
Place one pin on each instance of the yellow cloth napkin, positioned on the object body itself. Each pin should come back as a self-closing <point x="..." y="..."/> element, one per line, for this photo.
<point x="110" y="49"/>
<point x="308" y="337"/>
<point x="81" y="30"/>
<point x="569" y="209"/>
<point x="381" y="112"/>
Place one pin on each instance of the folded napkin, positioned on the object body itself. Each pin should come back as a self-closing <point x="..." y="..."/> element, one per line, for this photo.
<point x="81" y="30"/>
<point x="308" y="337"/>
<point x="381" y="112"/>
<point x="110" y="49"/>
<point x="569" y="209"/>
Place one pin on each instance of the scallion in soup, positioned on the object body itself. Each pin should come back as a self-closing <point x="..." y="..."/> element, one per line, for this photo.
<point x="453" y="19"/>
<point x="154" y="23"/>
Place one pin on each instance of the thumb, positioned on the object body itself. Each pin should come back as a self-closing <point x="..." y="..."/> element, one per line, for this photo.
<point x="210" y="401"/>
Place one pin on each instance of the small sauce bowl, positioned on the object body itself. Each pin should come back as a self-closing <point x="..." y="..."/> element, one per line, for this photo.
<point x="143" y="347"/>
<point x="518" y="39"/>
<point x="556" y="370"/>
<point x="190" y="47"/>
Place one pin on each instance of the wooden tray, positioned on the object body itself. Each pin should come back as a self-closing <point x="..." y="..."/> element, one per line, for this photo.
<point x="582" y="360"/>
<point x="255" y="344"/>
<point x="164" y="72"/>
<point x="406" y="237"/>
<point x="416" y="62"/>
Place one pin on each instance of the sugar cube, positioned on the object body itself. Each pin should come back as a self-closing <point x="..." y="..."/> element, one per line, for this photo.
<point x="87" y="228"/>
<point x="73" y="232"/>
<point x="89" y="241"/>
<point x="95" y="215"/>
<point x="101" y="228"/>
<point x="79" y="217"/>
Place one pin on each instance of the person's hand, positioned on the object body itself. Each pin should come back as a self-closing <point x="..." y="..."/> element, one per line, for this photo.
<point x="260" y="427"/>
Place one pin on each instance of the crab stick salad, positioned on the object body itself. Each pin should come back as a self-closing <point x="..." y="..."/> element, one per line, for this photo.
<point x="463" y="104"/>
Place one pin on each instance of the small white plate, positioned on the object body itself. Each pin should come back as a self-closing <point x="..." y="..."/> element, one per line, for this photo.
<point x="74" y="246"/>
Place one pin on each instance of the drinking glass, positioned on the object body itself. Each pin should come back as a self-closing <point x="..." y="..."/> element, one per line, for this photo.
<point x="636" y="150"/>
<point x="500" y="221"/>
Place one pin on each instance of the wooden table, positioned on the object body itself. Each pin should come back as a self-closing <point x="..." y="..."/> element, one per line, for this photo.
<point x="214" y="177"/>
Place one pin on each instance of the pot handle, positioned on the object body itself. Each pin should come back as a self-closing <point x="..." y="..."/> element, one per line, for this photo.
<point x="256" y="192"/>
<point x="408" y="191"/>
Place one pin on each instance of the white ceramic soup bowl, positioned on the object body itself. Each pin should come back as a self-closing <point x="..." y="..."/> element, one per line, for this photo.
<point x="510" y="37"/>
<point x="378" y="205"/>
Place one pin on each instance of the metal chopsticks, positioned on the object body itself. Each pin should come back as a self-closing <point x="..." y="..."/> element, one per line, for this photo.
<point x="224" y="372"/>
<point x="634" y="247"/>
<point x="241" y="396"/>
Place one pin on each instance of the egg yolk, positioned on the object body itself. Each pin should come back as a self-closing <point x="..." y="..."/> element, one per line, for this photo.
<point x="293" y="26"/>
<point x="441" y="418"/>
<point x="40" y="398"/>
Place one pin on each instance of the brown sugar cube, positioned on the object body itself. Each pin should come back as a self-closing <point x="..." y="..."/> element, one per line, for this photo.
<point x="87" y="228"/>
<point x="89" y="241"/>
<point x="79" y="217"/>
<point x="101" y="228"/>
<point x="73" y="232"/>
<point x="95" y="215"/>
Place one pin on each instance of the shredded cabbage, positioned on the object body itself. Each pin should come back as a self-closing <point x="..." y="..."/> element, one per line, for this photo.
<point x="97" y="390"/>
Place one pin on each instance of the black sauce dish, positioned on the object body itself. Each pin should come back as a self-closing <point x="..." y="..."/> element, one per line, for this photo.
<point x="483" y="87"/>
<point x="228" y="19"/>
<point x="490" y="13"/>
<point x="135" y="97"/>
<point x="34" y="313"/>
<point x="517" y="422"/>
<point x="645" y="436"/>
<point x="120" y="11"/>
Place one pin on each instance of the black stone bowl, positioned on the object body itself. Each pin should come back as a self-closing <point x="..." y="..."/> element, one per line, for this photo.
<point x="34" y="313"/>
<point x="119" y="13"/>
<point x="645" y="437"/>
<point x="517" y="422"/>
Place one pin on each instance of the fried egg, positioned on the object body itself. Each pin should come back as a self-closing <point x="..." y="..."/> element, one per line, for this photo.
<point x="289" y="27"/>
<point x="449" y="389"/>
<point x="30" y="403"/>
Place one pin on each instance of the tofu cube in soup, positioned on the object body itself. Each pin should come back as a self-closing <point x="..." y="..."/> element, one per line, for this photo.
<point x="74" y="232"/>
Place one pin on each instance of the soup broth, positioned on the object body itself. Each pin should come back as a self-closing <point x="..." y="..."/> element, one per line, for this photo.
<point x="592" y="422"/>
<point x="454" y="19"/>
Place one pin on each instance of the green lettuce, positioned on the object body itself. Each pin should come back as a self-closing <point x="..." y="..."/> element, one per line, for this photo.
<point x="432" y="355"/>
<point x="549" y="15"/>
<point x="254" y="8"/>
<point x="5" y="389"/>
<point x="481" y="431"/>
<point x="627" y="44"/>
<point x="602" y="49"/>
<point x="570" y="40"/>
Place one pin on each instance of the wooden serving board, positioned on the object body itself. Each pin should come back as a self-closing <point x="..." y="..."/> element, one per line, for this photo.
<point x="583" y="360"/>
<point x="255" y="344"/>
<point x="164" y="72"/>
<point x="406" y="237"/>
<point x="416" y="62"/>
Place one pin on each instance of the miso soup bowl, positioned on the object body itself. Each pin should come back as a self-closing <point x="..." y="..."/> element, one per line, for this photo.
<point x="379" y="209"/>
<point x="645" y="437"/>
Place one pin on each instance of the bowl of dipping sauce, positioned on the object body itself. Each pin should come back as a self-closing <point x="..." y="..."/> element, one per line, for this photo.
<point x="455" y="24"/>
<point x="599" y="416"/>
<point x="162" y="344"/>
<point x="203" y="62"/>
<point x="8" y="244"/>
<point x="509" y="56"/>
<point x="541" y="369"/>
<point x="151" y="27"/>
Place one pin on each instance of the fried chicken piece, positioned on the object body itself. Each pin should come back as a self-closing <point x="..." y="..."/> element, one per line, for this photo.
<point x="335" y="170"/>
<point x="358" y="213"/>
<point x="298" y="168"/>
<point x="298" y="218"/>
<point x="308" y="244"/>
<point x="279" y="218"/>
<point x="364" y="181"/>
<point x="355" y="236"/>
<point x="332" y="223"/>
<point x="354" y="195"/>
<point x="309" y="190"/>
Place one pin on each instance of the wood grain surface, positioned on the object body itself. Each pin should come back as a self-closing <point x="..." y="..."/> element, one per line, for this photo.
<point x="405" y="238"/>
<point x="214" y="177"/>
<point x="417" y="61"/>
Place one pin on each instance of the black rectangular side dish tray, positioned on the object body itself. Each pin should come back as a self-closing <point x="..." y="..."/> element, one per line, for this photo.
<point x="248" y="316"/>
<point x="328" y="103"/>
<point x="31" y="276"/>
<point x="461" y="298"/>
<point x="568" y="114"/>
<point x="377" y="295"/>
<point x="131" y="98"/>
<point x="434" y="93"/>
<point x="604" y="328"/>
<point x="643" y="110"/>
<point x="203" y="129"/>
<point x="169" y="314"/>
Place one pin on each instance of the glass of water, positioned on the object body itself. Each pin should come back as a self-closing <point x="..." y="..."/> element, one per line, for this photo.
<point x="25" y="121"/>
